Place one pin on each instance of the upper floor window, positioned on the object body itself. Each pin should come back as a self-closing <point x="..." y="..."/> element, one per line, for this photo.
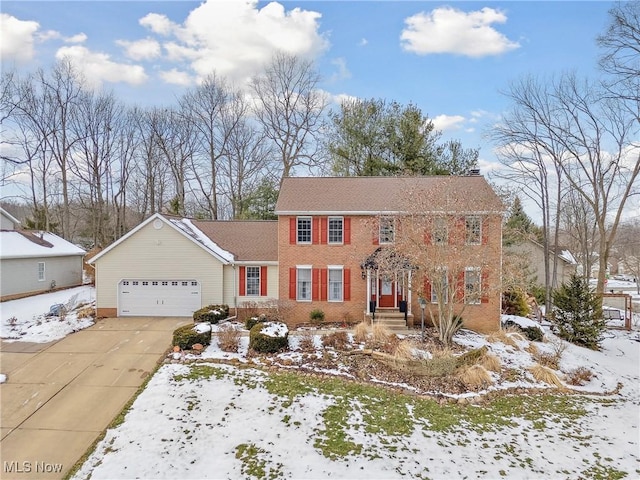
<point x="472" y="285"/>
<point x="473" y="230"/>
<point x="253" y="281"/>
<point x="440" y="231"/>
<point x="387" y="230"/>
<point x="335" y="230"/>
<point x="304" y="230"/>
<point x="304" y="283"/>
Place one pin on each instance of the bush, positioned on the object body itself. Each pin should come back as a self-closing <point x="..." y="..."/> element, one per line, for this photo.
<point x="338" y="340"/>
<point x="316" y="316"/>
<point x="229" y="338"/>
<point x="514" y="302"/>
<point x="188" y="335"/>
<point x="579" y="376"/>
<point x="211" y="313"/>
<point x="533" y="334"/>
<point x="272" y="342"/>
<point x="577" y="313"/>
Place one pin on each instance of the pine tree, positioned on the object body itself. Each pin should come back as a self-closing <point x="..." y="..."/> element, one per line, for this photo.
<point x="577" y="314"/>
<point x="519" y="225"/>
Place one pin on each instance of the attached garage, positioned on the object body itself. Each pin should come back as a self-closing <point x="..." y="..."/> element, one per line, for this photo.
<point x="158" y="298"/>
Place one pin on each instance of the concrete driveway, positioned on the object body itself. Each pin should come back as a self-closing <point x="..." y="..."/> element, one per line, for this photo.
<point x="60" y="396"/>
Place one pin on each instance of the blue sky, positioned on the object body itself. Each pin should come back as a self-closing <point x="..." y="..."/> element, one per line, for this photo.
<point x="450" y="59"/>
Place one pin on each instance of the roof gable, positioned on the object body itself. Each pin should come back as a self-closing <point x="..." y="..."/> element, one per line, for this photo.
<point x="374" y="195"/>
<point x="183" y="228"/>
<point x="10" y="217"/>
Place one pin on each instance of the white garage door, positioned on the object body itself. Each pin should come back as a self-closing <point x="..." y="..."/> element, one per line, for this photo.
<point x="158" y="298"/>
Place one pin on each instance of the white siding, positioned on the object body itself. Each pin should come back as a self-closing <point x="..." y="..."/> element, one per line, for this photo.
<point x="231" y="287"/>
<point x="158" y="254"/>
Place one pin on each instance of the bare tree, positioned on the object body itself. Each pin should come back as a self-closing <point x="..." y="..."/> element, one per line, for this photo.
<point x="628" y="247"/>
<point x="289" y="107"/>
<point x="528" y="148"/>
<point x="580" y="230"/>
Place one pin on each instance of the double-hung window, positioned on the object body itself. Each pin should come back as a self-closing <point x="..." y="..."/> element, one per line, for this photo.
<point x="440" y="231"/>
<point x="386" y="230"/>
<point x="473" y="230"/>
<point x="253" y="281"/>
<point x="41" y="272"/>
<point x="303" y="276"/>
<point x="304" y="230"/>
<point x="335" y="230"/>
<point x="335" y="284"/>
<point x="440" y="287"/>
<point x="472" y="285"/>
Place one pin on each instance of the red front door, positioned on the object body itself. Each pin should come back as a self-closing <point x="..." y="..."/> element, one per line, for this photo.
<point x="387" y="289"/>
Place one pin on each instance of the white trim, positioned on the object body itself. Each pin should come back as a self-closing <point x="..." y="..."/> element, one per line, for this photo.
<point x="44" y="272"/>
<point x="304" y="217"/>
<point x="10" y="217"/>
<point x="153" y="217"/>
<point x="335" y="217"/>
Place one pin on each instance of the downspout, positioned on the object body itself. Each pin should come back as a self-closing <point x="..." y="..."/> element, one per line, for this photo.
<point x="235" y="283"/>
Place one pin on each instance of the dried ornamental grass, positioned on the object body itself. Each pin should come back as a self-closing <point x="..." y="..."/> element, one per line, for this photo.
<point x="380" y="334"/>
<point x="229" y="338"/>
<point x="475" y="376"/>
<point x="337" y="340"/>
<point x="490" y="362"/>
<point x="508" y="336"/>
<point x="403" y="351"/>
<point x="545" y="375"/>
<point x="532" y="349"/>
<point x="360" y="332"/>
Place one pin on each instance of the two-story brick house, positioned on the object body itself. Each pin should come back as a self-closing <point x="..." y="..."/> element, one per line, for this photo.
<point x="343" y="245"/>
<point x="333" y="234"/>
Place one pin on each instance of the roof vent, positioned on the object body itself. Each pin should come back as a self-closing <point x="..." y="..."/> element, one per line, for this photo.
<point x="474" y="172"/>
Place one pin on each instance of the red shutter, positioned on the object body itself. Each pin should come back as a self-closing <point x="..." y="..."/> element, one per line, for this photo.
<point x="243" y="281"/>
<point x="427" y="289"/>
<point x="292" y="284"/>
<point x="347" y="284"/>
<point x="315" y="284"/>
<point x="427" y="232"/>
<point x="460" y="287"/>
<point x="347" y="231"/>
<point x="375" y="233"/>
<point x="485" y="231"/>
<point x="323" y="230"/>
<point x="460" y="231"/>
<point x="323" y="284"/>
<point x="263" y="281"/>
<point x="484" y="287"/>
<point x="292" y="230"/>
<point x="315" y="231"/>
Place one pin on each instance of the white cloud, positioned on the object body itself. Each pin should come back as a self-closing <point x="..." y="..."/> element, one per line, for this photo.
<point x="448" y="122"/>
<point x="98" y="67"/>
<point x="236" y="38"/>
<point x="363" y="42"/>
<point x="449" y="30"/>
<point x="342" y="71"/>
<point x="177" y="77"/>
<point x="340" y="98"/>
<point x="17" y="38"/>
<point x="145" y="49"/>
<point x="79" y="38"/>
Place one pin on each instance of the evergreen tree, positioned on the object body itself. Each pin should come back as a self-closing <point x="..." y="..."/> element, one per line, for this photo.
<point x="519" y="225"/>
<point x="577" y="314"/>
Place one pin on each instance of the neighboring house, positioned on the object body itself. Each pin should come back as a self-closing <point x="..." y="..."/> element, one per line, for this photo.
<point x="533" y="253"/>
<point x="33" y="262"/>
<point x="321" y="253"/>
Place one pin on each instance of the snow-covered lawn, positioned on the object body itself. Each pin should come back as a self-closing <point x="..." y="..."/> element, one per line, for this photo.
<point x="227" y="416"/>
<point x="26" y="319"/>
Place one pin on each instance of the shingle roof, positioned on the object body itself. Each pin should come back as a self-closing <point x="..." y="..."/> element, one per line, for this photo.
<point x="248" y="240"/>
<point x="370" y="195"/>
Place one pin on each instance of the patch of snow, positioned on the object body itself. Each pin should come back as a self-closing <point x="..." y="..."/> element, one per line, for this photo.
<point x="16" y="245"/>
<point x="26" y="319"/>
<point x="3" y="378"/>
<point x="202" y="327"/>
<point x="521" y="321"/>
<point x="187" y="226"/>
<point x="275" y="329"/>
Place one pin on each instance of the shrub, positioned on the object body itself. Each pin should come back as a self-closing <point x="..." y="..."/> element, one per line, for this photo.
<point x="514" y="302"/>
<point x="188" y="335"/>
<point x="533" y="334"/>
<point x="229" y="338"/>
<point x="338" y="340"/>
<point x="577" y="313"/>
<point x="269" y="337"/>
<point x="211" y="313"/>
<point x="250" y="322"/>
<point x="316" y="316"/>
<point x="306" y="341"/>
<point x="579" y="376"/>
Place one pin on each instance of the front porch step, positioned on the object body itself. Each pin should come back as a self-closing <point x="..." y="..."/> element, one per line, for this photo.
<point x="393" y="320"/>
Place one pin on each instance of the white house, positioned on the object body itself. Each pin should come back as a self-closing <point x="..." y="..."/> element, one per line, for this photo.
<point x="33" y="261"/>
